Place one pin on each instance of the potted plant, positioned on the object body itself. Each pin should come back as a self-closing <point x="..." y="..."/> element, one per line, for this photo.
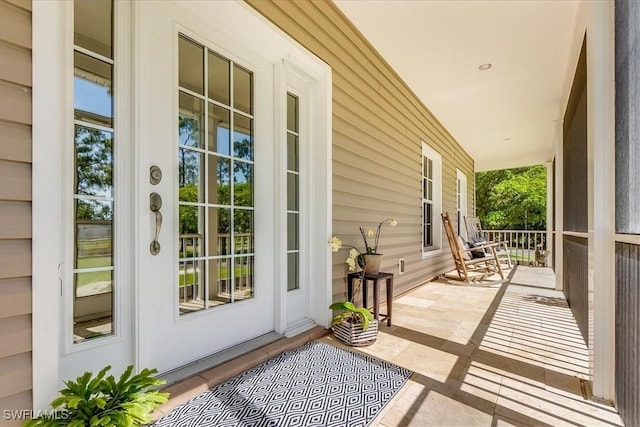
<point x="352" y="325"/>
<point x="373" y="259"/>
<point x="103" y="401"/>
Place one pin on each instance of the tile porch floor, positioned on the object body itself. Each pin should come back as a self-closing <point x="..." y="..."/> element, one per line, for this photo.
<point x="483" y="355"/>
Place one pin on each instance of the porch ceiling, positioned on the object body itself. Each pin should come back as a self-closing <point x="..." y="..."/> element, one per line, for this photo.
<point x="505" y="116"/>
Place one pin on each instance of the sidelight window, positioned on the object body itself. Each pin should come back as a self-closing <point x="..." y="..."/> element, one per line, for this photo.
<point x="293" y="197"/>
<point x="93" y="184"/>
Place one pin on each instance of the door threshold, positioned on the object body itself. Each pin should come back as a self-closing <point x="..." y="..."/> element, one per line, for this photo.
<point x="175" y="375"/>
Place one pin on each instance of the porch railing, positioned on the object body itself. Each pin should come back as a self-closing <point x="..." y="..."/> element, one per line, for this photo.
<point x="191" y="278"/>
<point x="525" y="246"/>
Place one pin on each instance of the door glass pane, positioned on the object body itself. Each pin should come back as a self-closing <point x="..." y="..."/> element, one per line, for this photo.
<point x="94" y="237"/>
<point x="93" y="283"/>
<point x="292" y="231"/>
<point x="93" y="307"/>
<point x="92" y="90"/>
<point x="292" y="192"/>
<point x="292" y="152"/>
<point x="243" y="278"/>
<point x="242" y="183"/>
<point x="219" y="231"/>
<point x="242" y="89"/>
<point x="94" y="162"/>
<point x="189" y="175"/>
<point x="190" y="221"/>
<point x="220" y="282"/>
<point x="219" y="180"/>
<point x="191" y="65"/>
<point x="92" y="26"/>
<point x="218" y="78"/>
<point x="243" y="231"/>
<point x="191" y="277"/>
<point x="293" y="275"/>
<point x="292" y="113"/>
<point x="191" y="121"/>
<point x="243" y="137"/>
<point x="219" y="134"/>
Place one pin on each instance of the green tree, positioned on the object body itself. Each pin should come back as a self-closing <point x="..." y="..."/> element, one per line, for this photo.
<point x="94" y="161"/>
<point x="512" y="198"/>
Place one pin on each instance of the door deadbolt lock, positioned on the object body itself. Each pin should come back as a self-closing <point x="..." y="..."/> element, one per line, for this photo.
<point x="155" y="175"/>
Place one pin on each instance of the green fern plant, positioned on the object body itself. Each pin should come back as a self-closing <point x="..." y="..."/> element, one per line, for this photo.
<point x="351" y="313"/>
<point x="103" y="401"/>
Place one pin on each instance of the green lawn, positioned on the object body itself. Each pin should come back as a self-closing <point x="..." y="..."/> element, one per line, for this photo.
<point x="93" y="276"/>
<point x="223" y="275"/>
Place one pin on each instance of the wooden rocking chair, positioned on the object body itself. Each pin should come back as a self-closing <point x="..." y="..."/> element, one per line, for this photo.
<point x="474" y="231"/>
<point x="470" y="268"/>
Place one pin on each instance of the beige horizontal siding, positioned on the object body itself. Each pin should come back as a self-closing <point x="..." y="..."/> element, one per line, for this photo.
<point x="15" y="179"/>
<point x="16" y="258"/>
<point x="16" y="374"/>
<point x="15" y="297"/>
<point x="378" y="126"/>
<point x="16" y="64"/>
<point x="16" y="333"/>
<point x="15" y="103"/>
<point x="15" y="143"/>
<point x="15" y="402"/>
<point x="15" y="207"/>
<point x="22" y="4"/>
<point x="15" y="220"/>
<point x="15" y="24"/>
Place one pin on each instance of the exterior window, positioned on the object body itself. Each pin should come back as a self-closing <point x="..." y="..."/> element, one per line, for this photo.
<point x="431" y="201"/>
<point x="93" y="191"/>
<point x="293" y="199"/>
<point x="215" y="179"/>
<point x="461" y="202"/>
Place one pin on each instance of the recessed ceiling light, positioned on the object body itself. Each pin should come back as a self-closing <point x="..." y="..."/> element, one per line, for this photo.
<point x="484" y="67"/>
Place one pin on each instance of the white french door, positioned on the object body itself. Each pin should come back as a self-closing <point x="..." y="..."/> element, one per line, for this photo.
<point x="205" y="121"/>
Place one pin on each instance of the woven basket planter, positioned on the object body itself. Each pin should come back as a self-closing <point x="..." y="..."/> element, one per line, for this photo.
<point x="352" y="333"/>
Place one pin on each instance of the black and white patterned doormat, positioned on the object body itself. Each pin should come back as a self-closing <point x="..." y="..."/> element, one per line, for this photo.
<point x="316" y="385"/>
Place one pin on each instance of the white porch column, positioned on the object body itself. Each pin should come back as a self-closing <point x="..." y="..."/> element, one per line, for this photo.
<point x="550" y="208"/>
<point x="558" y="203"/>
<point x="601" y="161"/>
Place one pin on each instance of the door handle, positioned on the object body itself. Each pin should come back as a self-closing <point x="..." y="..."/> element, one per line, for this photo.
<point x="155" y="204"/>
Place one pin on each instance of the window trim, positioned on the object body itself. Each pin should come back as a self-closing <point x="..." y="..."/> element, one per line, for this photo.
<point x="461" y="203"/>
<point x="436" y="158"/>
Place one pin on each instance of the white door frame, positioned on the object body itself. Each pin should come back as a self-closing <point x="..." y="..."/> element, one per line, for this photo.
<point x="52" y="121"/>
<point x="52" y="274"/>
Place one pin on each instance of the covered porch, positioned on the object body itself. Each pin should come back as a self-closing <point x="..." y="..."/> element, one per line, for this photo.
<point x="393" y="127"/>
<point x="490" y="354"/>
